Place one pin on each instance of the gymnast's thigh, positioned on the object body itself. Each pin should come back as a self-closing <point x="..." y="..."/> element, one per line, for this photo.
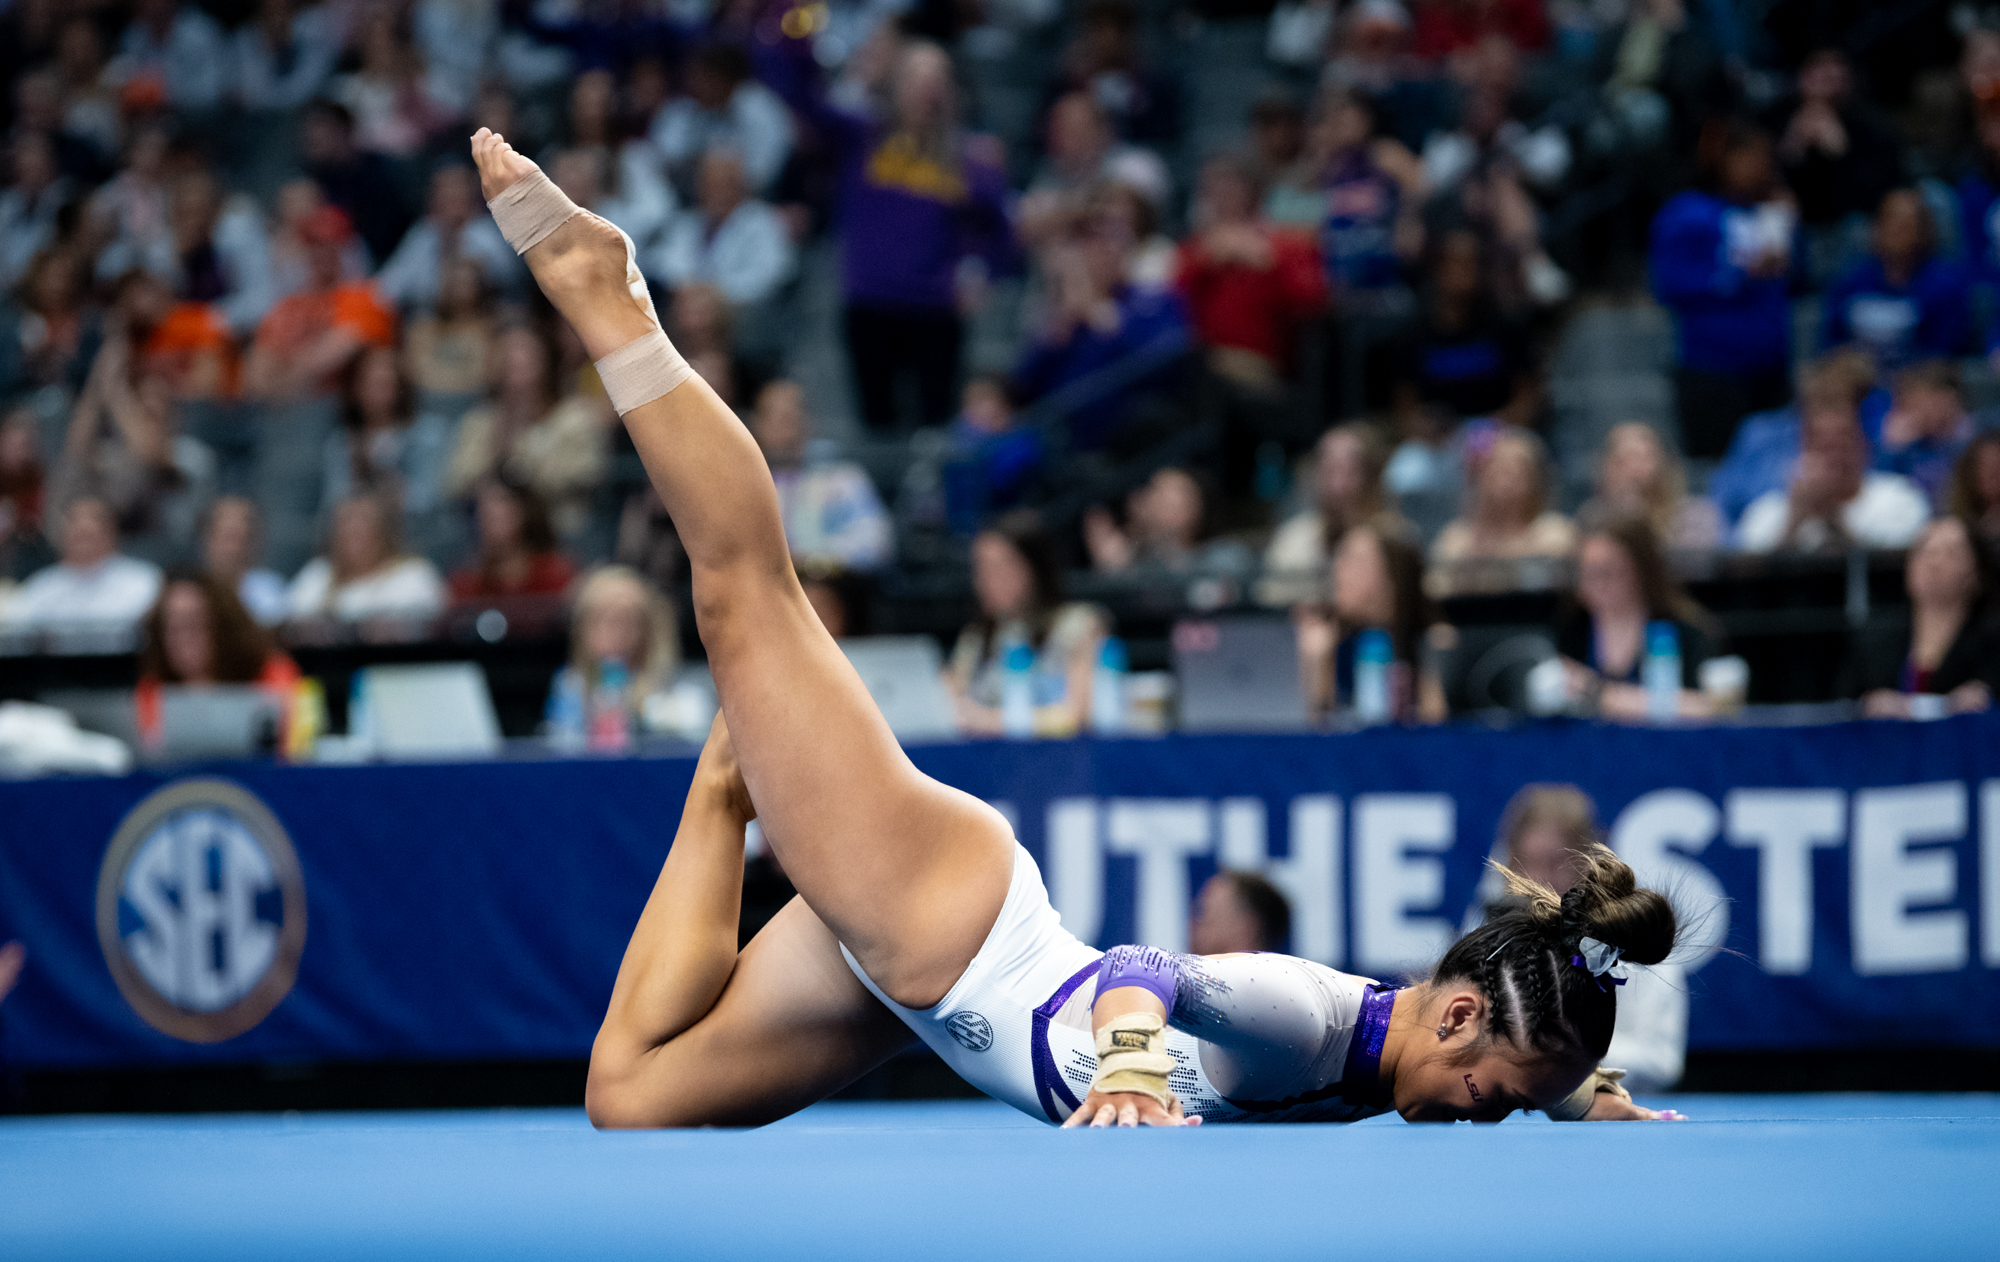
<point x="793" y="1026"/>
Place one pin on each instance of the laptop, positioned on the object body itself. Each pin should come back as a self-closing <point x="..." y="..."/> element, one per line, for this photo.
<point x="196" y="724"/>
<point x="1238" y="674"/>
<point x="903" y="674"/>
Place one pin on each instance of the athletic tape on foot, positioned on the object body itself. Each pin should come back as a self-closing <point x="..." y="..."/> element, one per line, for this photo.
<point x="1132" y="1056"/>
<point x="528" y="210"/>
<point x="642" y="370"/>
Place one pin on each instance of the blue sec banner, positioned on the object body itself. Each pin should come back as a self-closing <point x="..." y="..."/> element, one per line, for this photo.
<point x="1845" y="879"/>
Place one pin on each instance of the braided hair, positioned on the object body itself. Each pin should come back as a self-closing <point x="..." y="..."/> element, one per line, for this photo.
<point x="1521" y="958"/>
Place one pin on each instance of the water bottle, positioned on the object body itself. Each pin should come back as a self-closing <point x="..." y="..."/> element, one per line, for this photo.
<point x="564" y="720"/>
<point x="1662" y="672"/>
<point x="1107" y="689"/>
<point x="1373" y="657"/>
<point x="360" y="717"/>
<point x="610" y="713"/>
<point x="1017" y="691"/>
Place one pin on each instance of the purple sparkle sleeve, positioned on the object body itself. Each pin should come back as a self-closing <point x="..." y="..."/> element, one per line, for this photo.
<point x="1148" y="968"/>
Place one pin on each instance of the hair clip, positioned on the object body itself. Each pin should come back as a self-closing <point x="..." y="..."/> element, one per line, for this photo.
<point x="1601" y="959"/>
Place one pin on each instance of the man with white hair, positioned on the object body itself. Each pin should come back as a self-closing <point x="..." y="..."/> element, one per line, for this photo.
<point x="727" y="239"/>
<point x="92" y="584"/>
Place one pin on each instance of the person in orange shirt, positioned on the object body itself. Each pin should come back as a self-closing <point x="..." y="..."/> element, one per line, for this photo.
<point x="199" y="635"/>
<point x="186" y="344"/>
<point x="310" y="337"/>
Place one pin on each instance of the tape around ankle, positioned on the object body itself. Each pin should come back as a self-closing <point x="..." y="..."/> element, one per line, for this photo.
<point x="528" y="210"/>
<point x="644" y="369"/>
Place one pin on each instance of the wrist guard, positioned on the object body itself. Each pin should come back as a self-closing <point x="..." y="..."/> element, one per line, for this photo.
<point x="1132" y="1057"/>
<point x="1577" y="1105"/>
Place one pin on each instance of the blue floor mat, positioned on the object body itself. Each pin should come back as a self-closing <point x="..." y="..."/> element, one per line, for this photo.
<point x="1766" y="1177"/>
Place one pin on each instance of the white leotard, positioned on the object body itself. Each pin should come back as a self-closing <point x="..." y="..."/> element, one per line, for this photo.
<point x="1255" y="1038"/>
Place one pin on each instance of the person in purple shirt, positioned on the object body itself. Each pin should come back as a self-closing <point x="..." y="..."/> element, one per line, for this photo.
<point x="917" y="198"/>
<point x="1902" y="303"/>
<point x="1721" y="259"/>
<point x="1097" y="319"/>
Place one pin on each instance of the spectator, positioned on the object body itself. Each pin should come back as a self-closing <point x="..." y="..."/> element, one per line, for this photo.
<point x="1925" y="428"/>
<point x="1623" y="586"/>
<point x="1095" y="318"/>
<point x="1638" y="477"/>
<point x="1017" y="581"/>
<point x="231" y="544"/>
<point x="1834" y="501"/>
<point x="35" y="195"/>
<point x="298" y="204"/>
<point x="1249" y="288"/>
<point x="309" y="338"/>
<point x="1372" y="58"/>
<point x="1377" y="584"/>
<point x="91" y="581"/>
<point x="1542" y="830"/>
<point x="359" y="181"/>
<point x="833" y="515"/>
<point x="50" y="320"/>
<point x="90" y="97"/>
<point x="1105" y="62"/>
<point x="1167" y="529"/>
<point x="1975" y="487"/>
<point x="1838" y="157"/>
<point x="994" y="462"/>
<point x="199" y="635"/>
<point x="1239" y="911"/>
<point x="154" y="478"/>
<point x="210" y="253"/>
<point x="1721" y="253"/>
<point x="1084" y="153"/>
<point x="1902" y="303"/>
<point x="1950" y="646"/>
<point x="624" y="181"/>
<point x="724" y="108"/>
<point x="530" y="434"/>
<point x="283" y="55"/>
<point x="23" y="497"/>
<point x="1373" y="191"/>
<point x="364" y="575"/>
<point x="173" y="54"/>
<point x="1766" y="445"/>
<point x="455" y="226"/>
<point x="1479" y="175"/>
<point x="1347" y="492"/>
<point x="1151" y="256"/>
<point x="517" y="548"/>
<point x="449" y="347"/>
<point x="1277" y="148"/>
<point x="1978" y="191"/>
<point x="385" y="446"/>
<point x="1508" y="517"/>
<point x="620" y="619"/>
<point x="395" y="109"/>
<point x="917" y="198"/>
<point x="1463" y="354"/>
<point x="1445" y="28"/>
<point x="703" y="325"/>
<point x="727" y="240"/>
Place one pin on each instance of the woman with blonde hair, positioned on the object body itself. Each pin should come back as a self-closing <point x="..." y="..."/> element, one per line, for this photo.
<point x="621" y="619"/>
<point x="1638" y="477"/>
<point x="1506" y="516"/>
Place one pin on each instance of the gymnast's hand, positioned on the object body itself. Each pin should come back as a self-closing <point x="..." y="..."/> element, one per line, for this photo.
<point x="722" y="779"/>
<point x="1611" y="1106"/>
<point x="1127" y="1108"/>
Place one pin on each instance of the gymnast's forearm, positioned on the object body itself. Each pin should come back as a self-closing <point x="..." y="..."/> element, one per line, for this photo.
<point x="684" y="949"/>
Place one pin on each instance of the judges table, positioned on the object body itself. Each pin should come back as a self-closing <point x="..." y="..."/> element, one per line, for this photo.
<point x="1844" y="880"/>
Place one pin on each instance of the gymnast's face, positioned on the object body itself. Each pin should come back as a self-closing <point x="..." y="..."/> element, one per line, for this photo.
<point x="1438" y="1082"/>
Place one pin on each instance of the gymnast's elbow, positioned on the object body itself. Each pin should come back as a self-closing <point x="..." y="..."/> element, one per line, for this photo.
<point x="621" y="1098"/>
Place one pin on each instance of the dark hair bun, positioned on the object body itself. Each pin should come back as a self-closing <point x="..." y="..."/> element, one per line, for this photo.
<point x="1605" y="903"/>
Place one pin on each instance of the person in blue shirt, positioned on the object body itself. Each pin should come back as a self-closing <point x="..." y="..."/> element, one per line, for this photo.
<point x="1722" y="256"/>
<point x="1766" y="445"/>
<point x="1902" y="303"/>
<point x="1925" y="427"/>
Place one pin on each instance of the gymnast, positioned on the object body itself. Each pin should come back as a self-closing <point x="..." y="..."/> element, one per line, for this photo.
<point x="918" y="910"/>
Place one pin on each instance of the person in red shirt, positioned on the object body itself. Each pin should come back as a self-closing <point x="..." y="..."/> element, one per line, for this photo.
<point x="310" y="337"/>
<point x="517" y="548"/>
<point x="1249" y="286"/>
<point x="1444" y="27"/>
<point x="200" y="635"/>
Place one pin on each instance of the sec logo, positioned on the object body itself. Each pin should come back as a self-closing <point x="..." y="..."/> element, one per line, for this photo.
<point x="201" y="910"/>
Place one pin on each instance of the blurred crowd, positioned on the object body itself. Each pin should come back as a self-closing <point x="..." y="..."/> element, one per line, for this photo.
<point x="998" y="300"/>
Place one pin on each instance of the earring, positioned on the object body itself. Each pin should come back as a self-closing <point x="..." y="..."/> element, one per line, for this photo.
<point x="1440" y="1031"/>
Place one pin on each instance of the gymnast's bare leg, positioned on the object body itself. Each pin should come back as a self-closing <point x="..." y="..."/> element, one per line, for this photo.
<point x="908" y="873"/>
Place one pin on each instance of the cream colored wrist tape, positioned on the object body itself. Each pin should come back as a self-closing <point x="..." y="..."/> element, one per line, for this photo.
<point x="1132" y="1056"/>
<point x="643" y="369"/>
<point x="1578" y="1104"/>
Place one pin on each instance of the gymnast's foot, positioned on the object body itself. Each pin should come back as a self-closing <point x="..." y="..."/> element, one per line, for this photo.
<point x="581" y="266"/>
